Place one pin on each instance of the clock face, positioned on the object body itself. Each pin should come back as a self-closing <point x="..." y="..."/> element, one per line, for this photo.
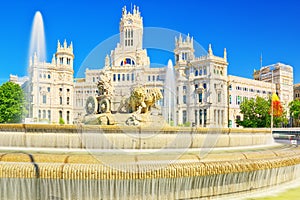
<point x="129" y="21"/>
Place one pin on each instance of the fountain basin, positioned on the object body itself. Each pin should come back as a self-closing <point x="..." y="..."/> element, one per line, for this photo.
<point x="124" y="137"/>
<point x="101" y="162"/>
<point x="69" y="176"/>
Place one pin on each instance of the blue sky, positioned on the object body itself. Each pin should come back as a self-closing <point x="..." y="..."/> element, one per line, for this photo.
<point x="246" y="28"/>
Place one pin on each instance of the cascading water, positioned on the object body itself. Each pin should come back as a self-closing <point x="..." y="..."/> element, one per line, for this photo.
<point x="169" y="111"/>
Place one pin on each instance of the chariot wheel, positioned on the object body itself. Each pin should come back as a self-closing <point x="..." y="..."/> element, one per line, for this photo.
<point x="104" y="105"/>
<point x="91" y="105"/>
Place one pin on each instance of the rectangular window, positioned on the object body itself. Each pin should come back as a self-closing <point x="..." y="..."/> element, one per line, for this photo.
<point x="200" y="117"/>
<point x="196" y="115"/>
<point x="204" y="85"/>
<point x="40" y="114"/>
<point x="184" y="99"/>
<point x="61" y="60"/>
<point x="132" y="77"/>
<point x="119" y="77"/>
<point x="44" y="99"/>
<point x="238" y="100"/>
<point x="44" y="114"/>
<point x="219" y="97"/>
<point x="184" y="119"/>
<point x="49" y="115"/>
<point x="238" y="118"/>
<point x="128" y="77"/>
<point x="230" y="124"/>
<point x="200" y="97"/>
<point x="114" y="77"/>
<point x="184" y="89"/>
<point x="205" y="117"/>
<point x="149" y="78"/>
<point x="68" y="100"/>
<point x="230" y="99"/>
<point x="123" y="77"/>
<point x="215" y="116"/>
<point x="60" y="100"/>
<point x="68" y="117"/>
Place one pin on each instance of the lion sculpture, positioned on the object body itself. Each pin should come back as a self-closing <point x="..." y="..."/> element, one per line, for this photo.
<point x="141" y="100"/>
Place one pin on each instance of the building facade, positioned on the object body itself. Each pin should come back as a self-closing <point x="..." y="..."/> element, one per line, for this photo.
<point x="201" y="82"/>
<point x="240" y="89"/>
<point x="206" y="96"/>
<point x="282" y="76"/>
<point x="297" y="91"/>
<point x="51" y="88"/>
<point x="127" y="66"/>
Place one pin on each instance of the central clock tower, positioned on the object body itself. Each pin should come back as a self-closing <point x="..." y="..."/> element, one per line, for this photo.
<point x="129" y="51"/>
<point x="131" y="29"/>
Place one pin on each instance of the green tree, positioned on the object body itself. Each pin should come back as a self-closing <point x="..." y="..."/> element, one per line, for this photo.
<point x="257" y="114"/>
<point x="12" y="103"/>
<point x="295" y="111"/>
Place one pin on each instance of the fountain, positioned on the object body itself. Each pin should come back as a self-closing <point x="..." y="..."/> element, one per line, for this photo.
<point x="37" y="41"/>
<point x="136" y="154"/>
<point x="170" y="95"/>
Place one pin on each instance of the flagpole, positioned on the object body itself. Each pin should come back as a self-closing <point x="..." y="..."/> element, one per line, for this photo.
<point x="272" y="108"/>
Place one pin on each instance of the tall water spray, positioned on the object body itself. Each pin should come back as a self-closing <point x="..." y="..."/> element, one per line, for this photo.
<point x="37" y="55"/>
<point x="37" y="40"/>
<point x="170" y="95"/>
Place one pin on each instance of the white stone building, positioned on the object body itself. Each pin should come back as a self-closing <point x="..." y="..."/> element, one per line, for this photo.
<point x="206" y="95"/>
<point x="51" y="88"/>
<point x="201" y="82"/>
<point x="128" y="65"/>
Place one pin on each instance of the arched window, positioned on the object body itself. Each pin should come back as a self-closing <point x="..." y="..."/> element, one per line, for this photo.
<point x="127" y="61"/>
<point x="196" y="73"/>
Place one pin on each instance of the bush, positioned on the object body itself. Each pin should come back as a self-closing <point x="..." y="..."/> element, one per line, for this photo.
<point x="61" y="121"/>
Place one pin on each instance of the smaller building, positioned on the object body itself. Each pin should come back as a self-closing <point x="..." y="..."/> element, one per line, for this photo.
<point x="297" y="91"/>
<point x="18" y="80"/>
<point x="50" y="87"/>
<point x="282" y="76"/>
<point x="240" y="89"/>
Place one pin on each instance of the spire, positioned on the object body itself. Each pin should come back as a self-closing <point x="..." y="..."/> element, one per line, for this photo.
<point x="107" y="61"/>
<point x="58" y="44"/>
<point x="225" y="54"/>
<point x="71" y="45"/>
<point x="53" y="59"/>
<point x="124" y="11"/>
<point x="65" y="44"/>
<point x="180" y="39"/>
<point x="210" y="52"/>
<point x="188" y="39"/>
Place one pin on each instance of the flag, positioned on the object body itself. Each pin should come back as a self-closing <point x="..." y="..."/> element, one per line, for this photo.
<point x="124" y="62"/>
<point x="276" y="107"/>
